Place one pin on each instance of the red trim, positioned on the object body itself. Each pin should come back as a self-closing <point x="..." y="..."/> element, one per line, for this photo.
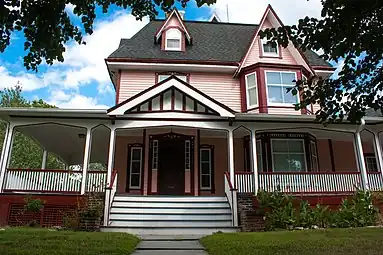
<point x="143" y="161"/>
<point x="183" y="102"/>
<point x="309" y="173"/>
<point x="228" y="180"/>
<point x="299" y="77"/>
<point x="162" y="102"/>
<point x="114" y="174"/>
<point x="163" y="42"/>
<point x="242" y="86"/>
<point x="42" y="191"/>
<point x="323" y="68"/>
<point x="197" y="166"/>
<point x="118" y="86"/>
<point x="276" y="66"/>
<point x="172" y="100"/>
<point x="173" y="61"/>
<point x="262" y="95"/>
<point x="179" y="20"/>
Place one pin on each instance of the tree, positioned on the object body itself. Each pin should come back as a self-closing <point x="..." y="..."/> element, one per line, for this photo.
<point x="47" y="27"/>
<point x="26" y="153"/>
<point x="348" y="32"/>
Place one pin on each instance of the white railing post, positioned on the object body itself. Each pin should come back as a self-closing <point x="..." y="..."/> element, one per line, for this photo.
<point x="360" y="154"/>
<point x="254" y="161"/>
<point x="378" y="153"/>
<point x="230" y="147"/>
<point x="7" y="146"/>
<point x="44" y="161"/>
<point x="111" y="155"/>
<point x="88" y="144"/>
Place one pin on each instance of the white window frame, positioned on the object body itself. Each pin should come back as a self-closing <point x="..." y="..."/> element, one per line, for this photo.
<point x="173" y="37"/>
<point x="290" y="139"/>
<point x="279" y="85"/>
<point x="247" y="91"/>
<point x="210" y="167"/>
<point x="182" y="77"/>
<point x="269" y="54"/>
<point x="130" y="167"/>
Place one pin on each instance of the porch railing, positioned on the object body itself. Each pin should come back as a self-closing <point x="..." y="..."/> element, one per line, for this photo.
<point x="52" y="181"/>
<point x="310" y="182"/>
<point x="110" y="192"/>
<point x="231" y="194"/>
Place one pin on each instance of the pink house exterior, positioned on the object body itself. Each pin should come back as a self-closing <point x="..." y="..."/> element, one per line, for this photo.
<point x="201" y="117"/>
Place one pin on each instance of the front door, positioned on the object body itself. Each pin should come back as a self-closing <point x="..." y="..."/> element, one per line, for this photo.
<point x="171" y="162"/>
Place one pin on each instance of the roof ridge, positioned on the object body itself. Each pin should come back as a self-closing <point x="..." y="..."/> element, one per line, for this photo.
<point x="212" y="23"/>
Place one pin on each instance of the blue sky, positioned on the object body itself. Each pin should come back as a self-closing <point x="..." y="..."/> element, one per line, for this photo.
<point x="82" y="80"/>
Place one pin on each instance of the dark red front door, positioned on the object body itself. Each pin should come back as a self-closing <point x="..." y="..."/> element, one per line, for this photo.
<point x="171" y="172"/>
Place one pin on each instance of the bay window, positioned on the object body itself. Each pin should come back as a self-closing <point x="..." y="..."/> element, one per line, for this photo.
<point x="277" y="84"/>
<point x="251" y="90"/>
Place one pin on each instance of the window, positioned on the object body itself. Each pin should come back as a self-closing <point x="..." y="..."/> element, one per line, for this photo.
<point x="162" y="77"/>
<point x="135" y="166"/>
<point x="269" y="48"/>
<point x="288" y="155"/>
<point x="155" y="155"/>
<point x="251" y="90"/>
<point x="187" y="155"/>
<point x="259" y="156"/>
<point x="206" y="167"/>
<point x="314" y="156"/>
<point x="173" y="40"/>
<point x="371" y="165"/>
<point x="277" y="85"/>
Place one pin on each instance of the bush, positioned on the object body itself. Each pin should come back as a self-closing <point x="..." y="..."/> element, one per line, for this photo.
<point x="282" y="211"/>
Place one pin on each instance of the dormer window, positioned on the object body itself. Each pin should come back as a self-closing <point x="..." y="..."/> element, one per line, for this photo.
<point x="173" y="39"/>
<point x="269" y="48"/>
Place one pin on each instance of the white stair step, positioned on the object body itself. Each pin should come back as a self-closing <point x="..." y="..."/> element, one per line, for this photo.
<point x="161" y="217"/>
<point x="170" y="205"/>
<point x="170" y="231"/>
<point x="212" y="211"/>
<point x="129" y="223"/>
<point x="190" y="199"/>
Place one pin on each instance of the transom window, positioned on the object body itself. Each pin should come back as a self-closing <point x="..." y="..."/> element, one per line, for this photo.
<point x="173" y="39"/>
<point x="288" y="155"/>
<point x="277" y="85"/>
<point x="269" y="48"/>
<point x="206" y="167"/>
<point x="371" y="164"/>
<point x="251" y="90"/>
<point x="135" y="166"/>
<point x="162" y="77"/>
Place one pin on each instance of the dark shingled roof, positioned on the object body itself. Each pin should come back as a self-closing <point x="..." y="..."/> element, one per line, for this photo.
<point x="223" y="42"/>
<point x="372" y="113"/>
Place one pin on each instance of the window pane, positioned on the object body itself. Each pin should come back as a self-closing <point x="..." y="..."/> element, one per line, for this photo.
<point x="182" y="77"/>
<point x="174" y="43"/>
<point x="135" y="180"/>
<point x="205" y="155"/>
<point x="136" y="154"/>
<point x="162" y="77"/>
<point x="279" y="146"/>
<point x="205" y="168"/>
<point x="136" y="166"/>
<point x="289" y="97"/>
<point x="250" y="80"/>
<point x="273" y="78"/>
<point x="275" y="94"/>
<point x="281" y="162"/>
<point x="252" y="96"/>
<point x="297" y="162"/>
<point x="259" y="156"/>
<point x="269" y="47"/>
<point x="287" y="78"/>
<point x="295" y="146"/>
<point x="205" y="181"/>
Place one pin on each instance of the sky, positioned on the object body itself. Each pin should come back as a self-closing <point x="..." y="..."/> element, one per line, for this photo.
<point x="82" y="80"/>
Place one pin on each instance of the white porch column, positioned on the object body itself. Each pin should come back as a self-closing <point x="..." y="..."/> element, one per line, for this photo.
<point x="360" y="154"/>
<point x="6" y="155"/>
<point x="254" y="161"/>
<point x="230" y="147"/>
<point x="88" y="142"/>
<point x="4" y="142"/>
<point x="111" y="155"/>
<point x="44" y="161"/>
<point x="378" y="152"/>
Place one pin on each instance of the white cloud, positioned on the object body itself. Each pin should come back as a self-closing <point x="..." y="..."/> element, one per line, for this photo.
<point x="251" y="11"/>
<point x="74" y="101"/>
<point x="28" y="81"/>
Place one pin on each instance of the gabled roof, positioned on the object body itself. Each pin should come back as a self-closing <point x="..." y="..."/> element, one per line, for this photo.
<point x="180" y="20"/>
<point x="212" y="105"/>
<point x="212" y="42"/>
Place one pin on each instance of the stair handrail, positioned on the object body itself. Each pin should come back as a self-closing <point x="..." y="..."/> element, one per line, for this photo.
<point x="231" y="194"/>
<point x="110" y="192"/>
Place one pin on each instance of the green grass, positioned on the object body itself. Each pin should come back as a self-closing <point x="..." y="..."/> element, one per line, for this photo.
<point x="366" y="241"/>
<point x="35" y="241"/>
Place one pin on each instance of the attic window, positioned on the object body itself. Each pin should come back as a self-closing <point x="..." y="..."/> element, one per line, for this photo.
<point x="173" y="40"/>
<point x="269" y="48"/>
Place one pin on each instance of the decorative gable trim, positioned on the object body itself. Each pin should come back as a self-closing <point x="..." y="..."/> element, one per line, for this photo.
<point x="297" y="54"/>
<point x="161" y="29"/>
<point x="212" y="105"/>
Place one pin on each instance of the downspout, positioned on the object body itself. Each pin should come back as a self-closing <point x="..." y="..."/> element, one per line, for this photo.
<point x="359" y="149"/>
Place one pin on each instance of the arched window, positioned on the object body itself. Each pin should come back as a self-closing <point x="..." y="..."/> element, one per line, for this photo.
<point x="173" y="39"/>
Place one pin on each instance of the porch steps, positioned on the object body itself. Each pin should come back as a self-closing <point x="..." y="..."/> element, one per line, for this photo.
<point x="167" y="215"/>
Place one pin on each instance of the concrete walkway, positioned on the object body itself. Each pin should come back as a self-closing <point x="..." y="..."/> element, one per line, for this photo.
<point x="186" y="245"/>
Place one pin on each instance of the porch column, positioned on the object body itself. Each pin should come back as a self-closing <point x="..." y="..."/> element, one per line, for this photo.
<point x="3" y="149"/>
<point x="7" y="146"/>
<point x="378" y="152"/>
<point x="360" y="154"/>
<point x="254" y="161"/>
<point x="111" y="155"/>
<point x="88" y="143"/>
<point x="230" y="146"/>
<point x="44" y="161"/>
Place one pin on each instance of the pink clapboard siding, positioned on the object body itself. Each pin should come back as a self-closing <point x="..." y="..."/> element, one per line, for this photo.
<point x="288" y="111"/>
<point x="133" y="82"/>
<point x="221" y="87"/>
<point x="254" y="57"/>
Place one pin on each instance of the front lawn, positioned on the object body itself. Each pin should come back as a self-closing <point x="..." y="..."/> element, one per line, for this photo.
<point x="366" y="241"/>
<point x="33" y="241"/>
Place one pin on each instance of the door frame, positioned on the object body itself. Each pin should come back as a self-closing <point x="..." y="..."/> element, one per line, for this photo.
<point x="166" y="137"/>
